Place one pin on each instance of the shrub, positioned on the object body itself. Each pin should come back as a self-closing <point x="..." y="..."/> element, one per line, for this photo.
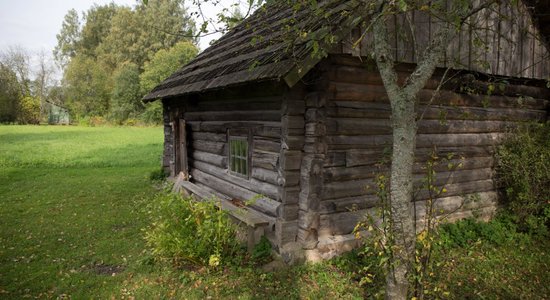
<point x="185" y="230"/>
<point x="157" y="175"/>
<point x="524" y="172"/>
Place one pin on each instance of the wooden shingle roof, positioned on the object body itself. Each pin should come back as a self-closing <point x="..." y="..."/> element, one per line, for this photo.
<point x="259" y="49"/>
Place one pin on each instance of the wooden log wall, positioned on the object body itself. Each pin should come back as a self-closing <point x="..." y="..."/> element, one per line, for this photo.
<point x="209" y="119"/>
<point x="358" y="137"/>
<point x="292" y="143"/>
<point x="502" y="40"/>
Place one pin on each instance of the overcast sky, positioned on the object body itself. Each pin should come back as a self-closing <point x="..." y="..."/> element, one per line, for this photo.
<point x="33" y="24"/>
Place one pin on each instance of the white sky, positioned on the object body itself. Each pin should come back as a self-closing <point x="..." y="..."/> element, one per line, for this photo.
<point x="33" y="24"/>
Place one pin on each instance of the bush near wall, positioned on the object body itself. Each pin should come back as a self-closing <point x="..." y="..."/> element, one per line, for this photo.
<point x="524" y="173"/>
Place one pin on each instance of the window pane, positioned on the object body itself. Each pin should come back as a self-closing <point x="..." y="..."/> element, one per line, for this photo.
<point x="238" y="155"/>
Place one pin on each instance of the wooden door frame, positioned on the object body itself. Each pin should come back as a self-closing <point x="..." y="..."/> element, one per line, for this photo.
<point x="180" y="149"/>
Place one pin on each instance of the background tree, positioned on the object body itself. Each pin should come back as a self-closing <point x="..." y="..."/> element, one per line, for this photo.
<point x="88" y="86"/>
<point x="162" y="65"/>
<point x="10" y="95"/>
<point x="67" y="39"/>
<point x="126" y="98"/>
<point x="106" y="56"/>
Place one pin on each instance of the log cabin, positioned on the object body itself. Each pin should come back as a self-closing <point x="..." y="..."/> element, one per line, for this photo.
<point x="259" y="117"/>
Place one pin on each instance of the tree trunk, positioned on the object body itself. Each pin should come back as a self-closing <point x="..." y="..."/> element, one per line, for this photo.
<point x="401" y="190"/>
<point x="402" y="234"/>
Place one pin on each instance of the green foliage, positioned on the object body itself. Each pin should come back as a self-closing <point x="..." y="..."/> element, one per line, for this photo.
<point x="164" y="63"/>
<point x="67" y="38"/>
<point x="126" y="98"/>
<point x="467" y="232"/>
<point x="262" y="251"/>
<point x="524" y="172"/>
<point x="157" y="175"/>
<point x="103" y="59"/>
<point x="88" y="87"/>
<point x="96" y="28"/>
<point x="29" y="110"/>
<point x="152" y="113"/>
<point x="10" y="95"/>
<point x="189" y="231"/>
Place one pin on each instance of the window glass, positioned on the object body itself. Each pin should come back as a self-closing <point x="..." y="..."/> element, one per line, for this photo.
<point x="238" y="155"/>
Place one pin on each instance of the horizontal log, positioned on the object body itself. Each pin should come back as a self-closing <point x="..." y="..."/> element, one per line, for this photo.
<point x="449" y="205"/>
<point x="361" y="187"/>
<point x="358" y="126"/>
<point x="253" y="185"/>
<point x="462" y="188"/>
<point x="265" y="160"/>
<point x="359" y="109"/>
<point x="223" y="126"/>
<point x="258" y="202"/>
<point x="370" y="157"/>
<point x="335" y="158"/>
<point x="271" y="131"/>
<point x="422" y="141"/>
<point x="463" y="126"/>
<point x="333" y="174"/>
<point x="348" y="204"/>
<point x="342" y="223"/>
<point x="213" y="159"/>
<point x="377" y="93"/>
<point x="374" y="110"/>
<point x="456" y="99"/>
<point x="265" y="175"/>
<point x="479" y="113"/>
<point x="268" y="145"/>
<point x="253" y="115"/>
<point x="210" y="147"/>
<point x="209" y="136"/>
<point x="259" y="103"/>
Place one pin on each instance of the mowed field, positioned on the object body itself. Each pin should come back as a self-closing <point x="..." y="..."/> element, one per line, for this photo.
<point x="70" y="200"/>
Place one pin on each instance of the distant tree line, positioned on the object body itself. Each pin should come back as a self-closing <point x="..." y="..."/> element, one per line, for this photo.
<point x="110" y="57"/>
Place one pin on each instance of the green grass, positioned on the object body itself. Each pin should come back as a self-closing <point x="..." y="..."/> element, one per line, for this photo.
<point x="72" y="205"/>
<point x="70" y="200"/>
<point x="72" y="214"/>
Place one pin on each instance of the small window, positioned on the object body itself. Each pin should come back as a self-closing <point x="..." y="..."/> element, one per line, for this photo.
<point x="238" y="155"/>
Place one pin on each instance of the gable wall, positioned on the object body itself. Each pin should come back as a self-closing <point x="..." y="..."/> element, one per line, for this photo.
<point x="358" y="136"/>
<point x="499" y="41"/>
<point x="208" y="119"/>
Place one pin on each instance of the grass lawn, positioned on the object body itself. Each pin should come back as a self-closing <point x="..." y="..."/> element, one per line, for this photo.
<point x="72" y="213"/>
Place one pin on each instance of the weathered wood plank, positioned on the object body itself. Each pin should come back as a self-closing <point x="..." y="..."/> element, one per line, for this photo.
<point x="260" y="203"/>
<point x="268" y="145"/>
<point x="253" y="185"/>
<point x="209" y="136"/>
<point x="210" y="147"/>
<point x="265" y="160"/>
<point x="256" y="115"/>
<point x="214" y="159"/>
<point x="223" y="126"/>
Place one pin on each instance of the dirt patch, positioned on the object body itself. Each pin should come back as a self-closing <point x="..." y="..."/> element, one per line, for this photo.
<point x="105" y="269"/>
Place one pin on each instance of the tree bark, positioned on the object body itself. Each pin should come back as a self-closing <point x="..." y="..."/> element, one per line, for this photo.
<point x="404" y="126"/>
